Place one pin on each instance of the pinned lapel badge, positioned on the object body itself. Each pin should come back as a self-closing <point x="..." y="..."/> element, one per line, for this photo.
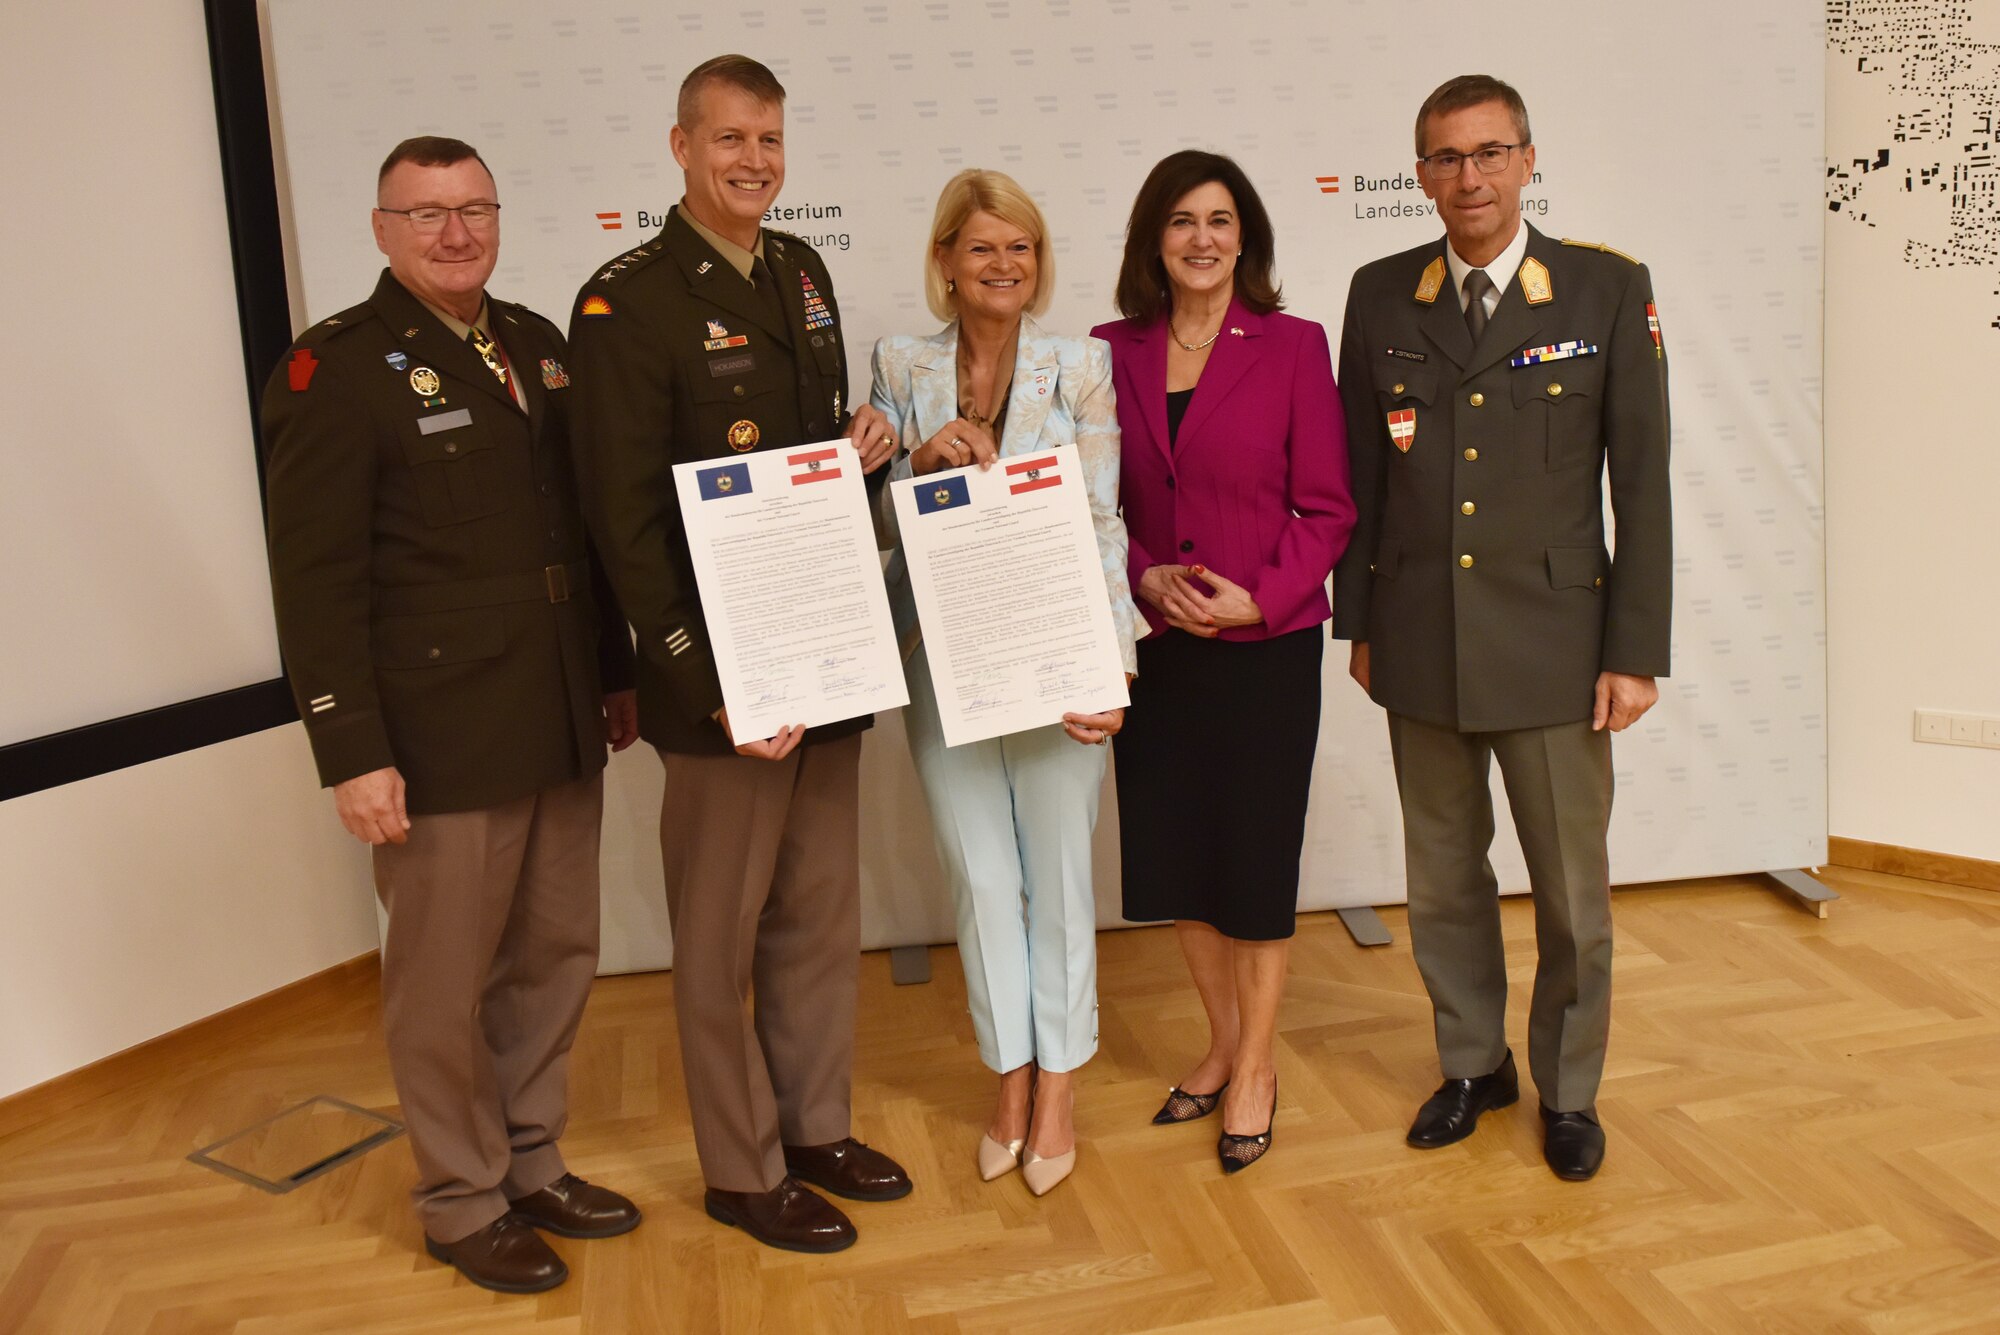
<point x="1554" y="352"/>
<point x="1403" y="428"/>
<point x="437" y="401"/>
<point x="744" y="435"/>
<point x="1535" y="285"/>
<point x="411" y="332"/>
<point x="1432" y="282"/>
<point x="397" y="361"/>
<point x="553" y="375"/>
<point x="299" y="371"/>
<point x="703" y="267"/>
<point x="1041" y="384"/>
<point x="720" y="338"/>
<point x="425" y="381"/>
<point x="594" y="307"/>
<point x="1653" y="327"/>
<point x="1236" y="331"/>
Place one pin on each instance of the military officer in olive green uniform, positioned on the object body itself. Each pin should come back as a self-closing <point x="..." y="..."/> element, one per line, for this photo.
<point x="450" y="649"/>
<point x="714" y="339"/>
<point x="1489" y="379"/>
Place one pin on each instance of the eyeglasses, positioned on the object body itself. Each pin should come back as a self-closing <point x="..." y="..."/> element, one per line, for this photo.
<point x="431" y="218"/>
<point x="1491" y="160"/>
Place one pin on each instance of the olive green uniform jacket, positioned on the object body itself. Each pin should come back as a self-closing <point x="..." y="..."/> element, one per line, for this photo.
<point x="1478" y="572"/>
<point x="678" y="359"/>
<point x="436" y="605"/>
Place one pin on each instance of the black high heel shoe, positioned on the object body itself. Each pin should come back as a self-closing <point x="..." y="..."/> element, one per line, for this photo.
<point x="1182" y="1106"/>
<point x="1239" y="1152"/>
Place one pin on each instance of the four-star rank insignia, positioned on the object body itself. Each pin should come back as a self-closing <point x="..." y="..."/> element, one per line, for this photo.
<point x="425" y="381"/>
<point x="744" y="435"/>
<point x="1403" y="428"/>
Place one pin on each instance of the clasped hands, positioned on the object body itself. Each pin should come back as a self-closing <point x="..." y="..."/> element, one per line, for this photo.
<point x="1170" y="588"/>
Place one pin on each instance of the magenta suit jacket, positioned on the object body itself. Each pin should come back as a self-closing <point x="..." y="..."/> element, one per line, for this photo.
<point x="1256" y="489"/>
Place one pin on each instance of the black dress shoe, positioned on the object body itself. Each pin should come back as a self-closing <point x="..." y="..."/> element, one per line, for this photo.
<point x="1239" y="1152"/>
<point x="507" y="1256"/>
<point x="1449" y="1115"/>
<point x="1573" y="1144"/>
<point x="787" y="1217"/>
<point x="1182" y="1106"/>
<point x="572" y="1208"/>
<point x="848" y="1168"/>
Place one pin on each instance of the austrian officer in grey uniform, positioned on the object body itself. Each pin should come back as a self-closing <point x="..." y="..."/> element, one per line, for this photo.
<point x="1489" y="379"/>
<point x="450" y="650"/>
<point x="714" y="339"/>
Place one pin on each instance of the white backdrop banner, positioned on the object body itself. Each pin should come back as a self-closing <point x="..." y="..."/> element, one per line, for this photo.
<point x="1687" y="135"/>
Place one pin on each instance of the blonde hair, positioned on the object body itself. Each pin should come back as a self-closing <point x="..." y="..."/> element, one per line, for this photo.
<point x="975" y="190"/>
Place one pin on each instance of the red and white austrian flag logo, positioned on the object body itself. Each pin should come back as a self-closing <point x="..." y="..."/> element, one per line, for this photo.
<point x="1403" y="428"/>
<point x="813" y="466"/>
<point x="1032" y="475"/>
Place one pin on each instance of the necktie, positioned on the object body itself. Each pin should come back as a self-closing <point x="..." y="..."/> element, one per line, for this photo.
<point x="767" y="288"/>
<point x="489" y="352"/>
<point x="1477" y="285"/>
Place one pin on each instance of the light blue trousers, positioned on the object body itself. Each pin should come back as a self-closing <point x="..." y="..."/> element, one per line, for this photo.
<point x="1013" y="817"/>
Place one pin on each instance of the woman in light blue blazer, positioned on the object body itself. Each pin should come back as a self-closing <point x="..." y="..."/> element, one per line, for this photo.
<point x="1013" y="814"/>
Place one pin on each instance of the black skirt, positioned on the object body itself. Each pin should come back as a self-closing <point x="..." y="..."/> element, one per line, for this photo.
<point x="1214" y="768"/>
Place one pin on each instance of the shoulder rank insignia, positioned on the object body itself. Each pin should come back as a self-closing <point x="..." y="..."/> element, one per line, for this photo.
<point x="1535" y="285"/>
<point x="1599" y="246"/>
<point x="1433" y="281"/>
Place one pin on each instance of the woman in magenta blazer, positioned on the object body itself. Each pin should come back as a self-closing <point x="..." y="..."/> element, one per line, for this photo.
<point x="1234" y="483"/>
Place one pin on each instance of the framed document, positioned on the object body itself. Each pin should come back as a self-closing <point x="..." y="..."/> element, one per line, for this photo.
<point x="1010" y="594"/>
<point x="791" y="587"/>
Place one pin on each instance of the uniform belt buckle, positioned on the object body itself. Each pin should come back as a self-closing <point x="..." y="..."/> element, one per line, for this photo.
<point x="557" y="578"/>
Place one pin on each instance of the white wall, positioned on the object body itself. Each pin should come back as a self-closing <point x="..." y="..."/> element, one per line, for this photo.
<point x="1913" y="459"/>
<point x="144" y="900"/>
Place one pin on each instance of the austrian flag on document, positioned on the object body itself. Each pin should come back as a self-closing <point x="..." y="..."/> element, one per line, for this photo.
<point x="1032" y="475"/>
<point x="813" y="466"/>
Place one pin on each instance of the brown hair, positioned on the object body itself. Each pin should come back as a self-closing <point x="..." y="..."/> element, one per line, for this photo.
<point x="976" y="190"/>
<point x="1143" y="293"/>
<point x="738" y="72"/>
<point x="429" y="150"/>
<point x="1472" y="90"/>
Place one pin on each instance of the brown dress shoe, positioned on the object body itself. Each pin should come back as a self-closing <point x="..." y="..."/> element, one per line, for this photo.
<point x="570" y="1207"/>
<point x="506" y="1256"/>
<point x="849" y="1168"/>
<point x="787" y="1216"/>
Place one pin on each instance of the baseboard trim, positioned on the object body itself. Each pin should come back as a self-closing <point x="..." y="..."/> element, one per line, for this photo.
<point x="1972" y="873"/>
<point x="259" y="1015"/>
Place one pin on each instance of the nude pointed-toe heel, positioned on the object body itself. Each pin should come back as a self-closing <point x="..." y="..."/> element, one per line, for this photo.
<point x="1043" y="1175"/>
<point x="997" y="1160"/>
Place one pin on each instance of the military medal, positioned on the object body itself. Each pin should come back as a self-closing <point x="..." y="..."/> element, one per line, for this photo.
<point x="1432" y="282"/>
<point x="425" y="381"/>
<point x="1403" y="428"/>
<point x="553" y="375"/>
<point x="1653" y="327"/>
<point x="1554" y="352"/>
<point x="817" y="314"/>
<point x="1535" y="284"/>
<point x="743" y="435"/>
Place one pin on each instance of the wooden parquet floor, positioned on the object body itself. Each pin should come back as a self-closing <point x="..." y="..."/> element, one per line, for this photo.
<point x="1804" y="1123"/>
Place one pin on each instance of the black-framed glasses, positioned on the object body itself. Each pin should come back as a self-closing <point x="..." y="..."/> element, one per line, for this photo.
<point x="1490" y="160"/>
<point x="431" y="217"/>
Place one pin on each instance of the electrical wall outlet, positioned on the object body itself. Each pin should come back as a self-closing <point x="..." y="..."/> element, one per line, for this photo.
<point x="1935" y="725"/>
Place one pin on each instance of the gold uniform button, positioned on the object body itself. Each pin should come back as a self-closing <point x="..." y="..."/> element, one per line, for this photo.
<point x="1478" y="399"/>
<point x="1471" y="454"/>
<point x="1555" y="390"/>
<point x="1597" y="583"/>
<point x="1465" y="561"/>
<point x="1396" y="389"/>
<point x="437" y="653"/>
<point x="451" y="448"/>
<point x="1468" y="508"/>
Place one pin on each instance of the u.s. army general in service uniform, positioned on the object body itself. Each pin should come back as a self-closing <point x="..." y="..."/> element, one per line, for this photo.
<point x="448" y="648"/>
<point x="1489" y="378"/>
<point x="714" y="339"/>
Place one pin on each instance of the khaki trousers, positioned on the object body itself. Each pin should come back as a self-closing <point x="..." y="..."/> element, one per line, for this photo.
<point x="488" y="959"/>
<point x="763" y="878"/>
<point x="1558" y="782"/>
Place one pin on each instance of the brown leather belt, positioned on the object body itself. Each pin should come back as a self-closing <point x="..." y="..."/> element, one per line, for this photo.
<point x="549" y="584"/>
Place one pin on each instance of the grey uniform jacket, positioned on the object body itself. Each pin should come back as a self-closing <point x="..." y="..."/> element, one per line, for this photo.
<point x="1478" y="572"/>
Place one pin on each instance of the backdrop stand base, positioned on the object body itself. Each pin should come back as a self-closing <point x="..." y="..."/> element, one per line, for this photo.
<point x="1811" y="893"/>
<point x="1365" y="926"/>
<point x="910" y="964"/>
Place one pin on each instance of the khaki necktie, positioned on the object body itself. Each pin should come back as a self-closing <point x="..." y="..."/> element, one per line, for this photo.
<point x="489" y="352"/>
<point x="1477" y="285"/>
